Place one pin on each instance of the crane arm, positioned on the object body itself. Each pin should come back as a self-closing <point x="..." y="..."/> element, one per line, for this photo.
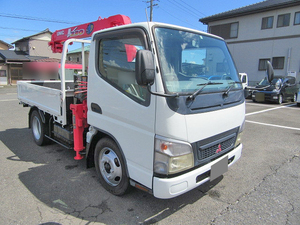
<point x="85" y="30"/>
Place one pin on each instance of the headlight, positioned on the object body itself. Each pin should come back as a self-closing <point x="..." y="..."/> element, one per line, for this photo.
<point x="239" y="136"/>
<point x="172" y="156"/>
<point x="278" y="84"/>
<point x="238" y="139"/>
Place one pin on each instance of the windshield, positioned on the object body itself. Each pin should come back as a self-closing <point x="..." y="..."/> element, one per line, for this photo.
<point x="275" y="80"/>
<point x="189" y="61"/>
<point x="264" y="82"/>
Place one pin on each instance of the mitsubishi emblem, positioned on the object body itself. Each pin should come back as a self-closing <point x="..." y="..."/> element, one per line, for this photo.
<point x="219" y="149"/>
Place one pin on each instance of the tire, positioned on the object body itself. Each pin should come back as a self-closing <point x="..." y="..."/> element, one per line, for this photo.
<point x="38" y="129"/>
<point x="279" y="101"/>
<point x="294" y="99"/>
<point x="110" y="167"/>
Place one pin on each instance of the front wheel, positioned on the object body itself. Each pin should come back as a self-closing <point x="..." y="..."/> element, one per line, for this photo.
<point x="110" y="167"/>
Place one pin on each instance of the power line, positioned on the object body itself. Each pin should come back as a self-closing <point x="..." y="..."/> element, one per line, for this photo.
<point x="193" y="8"/>
<point x="183" y="8"/>
<point x="10" y="35"/>
<point x="21" y="29"/>
<point x="37" y="18"/>
<point x="166" y="11"/>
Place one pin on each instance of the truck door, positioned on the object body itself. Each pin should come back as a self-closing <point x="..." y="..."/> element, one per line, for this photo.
<point x="120" y="107"/>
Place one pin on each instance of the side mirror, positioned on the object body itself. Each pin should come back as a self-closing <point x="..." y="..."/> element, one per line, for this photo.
<point x="270" y="71"/>
<point x="144" y="67"/>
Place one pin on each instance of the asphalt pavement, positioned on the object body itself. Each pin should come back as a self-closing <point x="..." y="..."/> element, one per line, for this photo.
<point x="45" y="185"/>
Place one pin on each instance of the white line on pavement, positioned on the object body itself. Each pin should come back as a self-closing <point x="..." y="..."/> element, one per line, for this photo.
<point x="8" y="100"/>
<point x="266" y="110"/>
<point x="273" y="125"/>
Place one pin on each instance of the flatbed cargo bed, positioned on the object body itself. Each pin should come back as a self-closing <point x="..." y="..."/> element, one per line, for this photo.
<point x="45" y="95"/>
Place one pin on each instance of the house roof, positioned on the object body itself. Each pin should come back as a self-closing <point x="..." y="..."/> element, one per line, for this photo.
<point x="17" y="56"/>
<point x="263" y="6"/>
<point x="86" y="48"/>
<point x="9" y="55"/>
<point x="8" y="45"/>
<point x="31" y="36"/>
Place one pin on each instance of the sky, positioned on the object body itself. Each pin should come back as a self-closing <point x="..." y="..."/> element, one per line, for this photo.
<point x="22" y="18"/>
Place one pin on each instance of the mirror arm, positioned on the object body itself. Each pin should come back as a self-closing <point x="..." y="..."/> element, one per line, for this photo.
<point x="161" y="95"/>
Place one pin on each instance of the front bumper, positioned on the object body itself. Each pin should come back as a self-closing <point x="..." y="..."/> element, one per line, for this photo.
<point x="265" y="96"/>
<point x="171" y="187"/>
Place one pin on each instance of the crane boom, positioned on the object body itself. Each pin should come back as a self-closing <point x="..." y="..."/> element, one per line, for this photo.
<point x="85" y="30"/>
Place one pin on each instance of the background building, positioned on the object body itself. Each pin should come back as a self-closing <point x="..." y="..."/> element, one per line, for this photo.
<point x="31" y="48"/>
<point x="75" y="56"/>
<point x="268" y="30"/>
<point x="3" y="67"/>
<point x="5" y="46"/>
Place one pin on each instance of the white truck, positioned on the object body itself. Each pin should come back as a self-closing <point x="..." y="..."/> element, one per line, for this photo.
<point x="146" y="115"/>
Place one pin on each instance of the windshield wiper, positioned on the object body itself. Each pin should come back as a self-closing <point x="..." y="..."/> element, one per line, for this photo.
<point x="192" y="96"/>
<point x="230" y="87"/>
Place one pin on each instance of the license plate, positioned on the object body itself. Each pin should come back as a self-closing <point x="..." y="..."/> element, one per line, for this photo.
<point x="219" y="168"/>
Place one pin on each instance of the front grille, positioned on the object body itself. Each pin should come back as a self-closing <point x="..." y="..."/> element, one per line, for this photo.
<point x="213" y="147"/>
<point x="218" y="148"/>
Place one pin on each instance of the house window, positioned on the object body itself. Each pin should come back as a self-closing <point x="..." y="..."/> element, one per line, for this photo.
<point x="234" y="27"/>
<point x="77" y="59"/>
<point x="70" y="58"/>
<point x="262" y="65"/>
<point x="2" y="73"/>
<point x="283" y="20"/>
<point x="267" y="22"/>
<point x="297" y="18"/>
<point x="278" y="62"/>
<point x="226" y="31"/>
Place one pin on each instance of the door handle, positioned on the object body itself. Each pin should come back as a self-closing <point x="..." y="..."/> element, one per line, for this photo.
<point x="96" y="108"/>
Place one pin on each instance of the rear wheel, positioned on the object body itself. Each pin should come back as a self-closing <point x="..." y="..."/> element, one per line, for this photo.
<point x="110" y="167"/>
<point x="38" y="128"/>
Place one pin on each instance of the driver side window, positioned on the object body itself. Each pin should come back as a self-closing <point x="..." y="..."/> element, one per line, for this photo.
<point x="117" y="64"/>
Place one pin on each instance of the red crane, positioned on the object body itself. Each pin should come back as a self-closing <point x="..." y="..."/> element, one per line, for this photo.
<point x="85" y="30"/>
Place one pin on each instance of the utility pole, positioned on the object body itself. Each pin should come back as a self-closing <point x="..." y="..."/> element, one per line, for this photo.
<point x="151" y="8"/>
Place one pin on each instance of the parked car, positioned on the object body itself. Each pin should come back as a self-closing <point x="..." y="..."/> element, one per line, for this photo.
<point x="250" y="89"/>
<point x="278" y="90"/>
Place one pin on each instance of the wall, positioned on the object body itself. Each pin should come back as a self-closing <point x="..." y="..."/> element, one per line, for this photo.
<point x="3" y="46"/>
<point x="38" y="46"/>
<point x="3" y="74"/>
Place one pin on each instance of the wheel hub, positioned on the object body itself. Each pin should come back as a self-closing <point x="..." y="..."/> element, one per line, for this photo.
<point x="36" y="128"/>
<point x="110" y="166"/>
